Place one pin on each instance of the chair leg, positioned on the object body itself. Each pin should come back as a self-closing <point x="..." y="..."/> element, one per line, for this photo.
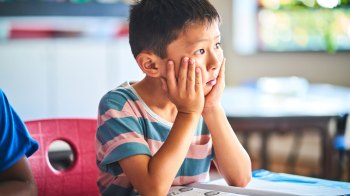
<point x="263" y="151"/>
<point x="343" y="166"/>
<point x="348" y="164"/>
<point x="340" y="164"/>
<point x="294" y="153"/>
<point x="245" y="140"/>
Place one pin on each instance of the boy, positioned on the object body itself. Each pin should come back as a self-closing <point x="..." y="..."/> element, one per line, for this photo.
<point x="151" y="133"/>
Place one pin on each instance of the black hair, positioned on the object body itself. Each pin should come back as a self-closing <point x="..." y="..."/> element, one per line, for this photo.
<point x="154" y="24"/>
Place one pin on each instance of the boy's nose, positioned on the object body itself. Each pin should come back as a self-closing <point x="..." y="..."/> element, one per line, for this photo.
<point x="213" y="62"/>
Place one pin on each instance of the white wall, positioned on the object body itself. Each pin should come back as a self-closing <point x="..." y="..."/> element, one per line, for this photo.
<point x="316" y="67"/>
<point x="49" y="78"/>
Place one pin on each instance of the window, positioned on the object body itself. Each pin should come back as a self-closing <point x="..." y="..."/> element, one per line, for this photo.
<point x="292" y="25"/>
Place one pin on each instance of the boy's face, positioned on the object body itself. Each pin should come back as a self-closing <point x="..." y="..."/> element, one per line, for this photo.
<point x="202" y="43"/>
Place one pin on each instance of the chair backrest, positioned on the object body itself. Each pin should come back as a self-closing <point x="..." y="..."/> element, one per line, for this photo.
<point x="342" y="137"/>
<point x="347" y="135"/>
<point x="80" y="178"/>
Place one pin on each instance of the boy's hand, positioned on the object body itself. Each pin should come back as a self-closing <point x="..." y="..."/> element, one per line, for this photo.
<point x="212" y="99"/>
<point x="185" y="91"/>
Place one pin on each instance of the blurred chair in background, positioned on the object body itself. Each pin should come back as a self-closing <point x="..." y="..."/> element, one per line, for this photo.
<point x="342" y="146"/>
<point x="75" y="175"/>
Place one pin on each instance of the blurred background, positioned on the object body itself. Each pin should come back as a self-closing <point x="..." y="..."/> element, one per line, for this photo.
<point x="58" y="58"/>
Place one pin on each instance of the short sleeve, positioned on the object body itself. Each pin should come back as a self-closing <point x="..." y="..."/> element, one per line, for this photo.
<point x="15" y="140"/>
<point x="119" y="134"/>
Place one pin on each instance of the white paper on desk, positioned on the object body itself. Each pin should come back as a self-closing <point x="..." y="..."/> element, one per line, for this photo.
<point x="222" y="186"/>
<point x="190" y="191"/>
<point x="262" y="187"/>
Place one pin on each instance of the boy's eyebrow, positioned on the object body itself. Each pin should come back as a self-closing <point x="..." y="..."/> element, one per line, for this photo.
<point x="205" y="39"/>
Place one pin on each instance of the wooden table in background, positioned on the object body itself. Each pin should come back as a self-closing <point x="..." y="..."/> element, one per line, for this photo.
<point x="249" y="110"/>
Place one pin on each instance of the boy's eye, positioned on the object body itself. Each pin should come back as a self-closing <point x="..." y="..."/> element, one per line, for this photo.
<point x="217" y="45"/>
<point x="200" y="51"/>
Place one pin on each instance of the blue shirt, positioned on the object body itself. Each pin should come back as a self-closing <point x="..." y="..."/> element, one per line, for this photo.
<point x="15" y="141"/>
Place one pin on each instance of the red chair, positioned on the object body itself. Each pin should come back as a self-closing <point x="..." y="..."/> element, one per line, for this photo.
<point x="80" y="178"/>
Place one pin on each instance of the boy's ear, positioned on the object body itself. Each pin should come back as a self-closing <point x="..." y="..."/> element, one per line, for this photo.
<point x="149" y="63"/>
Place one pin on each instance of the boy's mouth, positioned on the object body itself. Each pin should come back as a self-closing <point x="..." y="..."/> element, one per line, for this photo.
<point x="211" y="82"/>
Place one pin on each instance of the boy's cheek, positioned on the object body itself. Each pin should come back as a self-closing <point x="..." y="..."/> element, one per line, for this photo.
<point x="221" y="56"/>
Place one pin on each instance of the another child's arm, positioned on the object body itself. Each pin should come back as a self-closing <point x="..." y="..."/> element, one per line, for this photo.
<point x="232" y="160"/>
<point x="18" y="179"/>
<point x="154" y="175"/>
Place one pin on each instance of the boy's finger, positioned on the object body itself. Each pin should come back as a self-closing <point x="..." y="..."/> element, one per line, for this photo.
<point x="198" y="85"/>
<point x="164" y="84"/>
<point x="222" y="70"/>
<point x="181" y="80"/>
<point x="191" y="76"/>
<point x="170" y="76"/>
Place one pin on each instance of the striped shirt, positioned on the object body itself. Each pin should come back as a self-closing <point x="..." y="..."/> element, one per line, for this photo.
<point x="127" y="127"/>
